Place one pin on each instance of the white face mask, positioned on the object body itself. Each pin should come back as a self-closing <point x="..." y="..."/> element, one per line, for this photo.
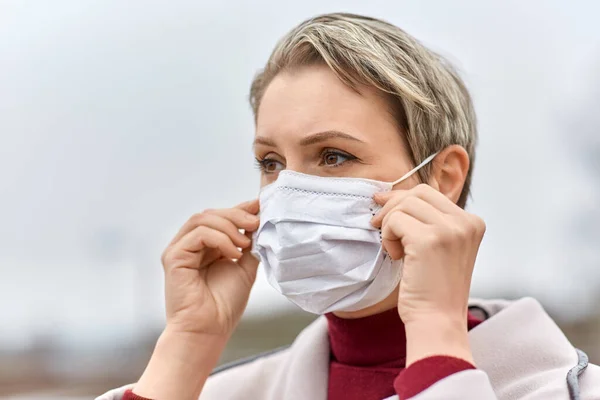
<point x="317" y="245"/>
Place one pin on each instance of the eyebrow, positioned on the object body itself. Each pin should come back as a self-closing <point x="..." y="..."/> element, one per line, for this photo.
<point x="322" y="136"/>
<point x="312" y="139"/>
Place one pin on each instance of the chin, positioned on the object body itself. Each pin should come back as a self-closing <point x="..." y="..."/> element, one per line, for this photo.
<point x="386" y="304"/>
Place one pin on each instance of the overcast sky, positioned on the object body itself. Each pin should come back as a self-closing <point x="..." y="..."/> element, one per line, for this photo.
<point x="118" y="120"/>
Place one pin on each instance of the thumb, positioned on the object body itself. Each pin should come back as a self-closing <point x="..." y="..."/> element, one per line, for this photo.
<point x="247" y="261"/>
<point x="249" y="264"/>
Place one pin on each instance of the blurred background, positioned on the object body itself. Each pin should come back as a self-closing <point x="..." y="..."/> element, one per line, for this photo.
<point x="120" y="119"/>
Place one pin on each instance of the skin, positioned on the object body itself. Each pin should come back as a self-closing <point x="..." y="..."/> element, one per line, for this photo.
<point x="310" y="122"/>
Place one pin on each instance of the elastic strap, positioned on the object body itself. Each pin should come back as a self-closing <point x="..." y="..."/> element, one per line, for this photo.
<point x="415" y="169"/>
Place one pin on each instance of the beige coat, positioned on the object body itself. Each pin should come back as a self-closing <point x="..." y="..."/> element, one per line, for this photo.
<point x="520" y="352"/>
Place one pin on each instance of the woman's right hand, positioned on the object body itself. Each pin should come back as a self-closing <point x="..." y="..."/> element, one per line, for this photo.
<point x="207" y="284"/>
<point x="207" y="278"/>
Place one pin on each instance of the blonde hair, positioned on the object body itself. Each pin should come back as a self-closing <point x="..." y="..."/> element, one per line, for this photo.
<point x="429" y="100"/>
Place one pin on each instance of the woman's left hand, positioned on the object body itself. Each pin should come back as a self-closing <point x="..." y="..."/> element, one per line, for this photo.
<point x="439" y="242"/>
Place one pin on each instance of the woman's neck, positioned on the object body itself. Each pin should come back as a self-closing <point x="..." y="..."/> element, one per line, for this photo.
<point x="378" y="339"/>
<point x="372" y="340"/>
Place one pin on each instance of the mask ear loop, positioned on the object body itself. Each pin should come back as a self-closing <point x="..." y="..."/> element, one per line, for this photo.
<point x="415" y="169"/>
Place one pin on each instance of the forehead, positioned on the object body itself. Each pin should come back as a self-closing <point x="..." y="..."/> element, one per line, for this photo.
<point x="313" y="99"/>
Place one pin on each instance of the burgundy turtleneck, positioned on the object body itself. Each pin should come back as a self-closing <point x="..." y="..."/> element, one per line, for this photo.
<point x="368" y="356"/>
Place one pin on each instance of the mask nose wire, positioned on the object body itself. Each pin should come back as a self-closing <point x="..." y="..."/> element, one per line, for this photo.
<point x="415" y="169"/>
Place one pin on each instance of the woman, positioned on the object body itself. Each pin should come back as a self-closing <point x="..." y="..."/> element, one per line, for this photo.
<point x="347" y="226"/>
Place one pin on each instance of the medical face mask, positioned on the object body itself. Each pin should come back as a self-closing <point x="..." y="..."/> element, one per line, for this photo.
<point x="316" y="243"/>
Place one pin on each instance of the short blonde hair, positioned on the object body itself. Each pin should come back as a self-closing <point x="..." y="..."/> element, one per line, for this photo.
<point x="428" y="99"/>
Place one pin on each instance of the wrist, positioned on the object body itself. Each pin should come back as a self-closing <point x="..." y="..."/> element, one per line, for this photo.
<point x="182" y="335"/>
<point x="180" y="364"/>
<point x="437" y="336"/>
<point x="438" y="319"/>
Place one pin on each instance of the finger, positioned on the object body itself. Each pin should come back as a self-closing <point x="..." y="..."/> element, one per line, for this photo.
<point x="227" y="227"/>
<point x="241" y="218"/>
<point x="251" y="206"/>
<point x="248" y="234"/>
<point x="383" y="197"/>
<point x="247" y="261"/>
<point x="391" y="200"/>
<point x="204" y="237"/>
<point x="394" y="233"/>
<point x="436" y="199"/>
<point x="420" y="210"/>
<point x="248" y="249"/>
<point x="388" y="200"/>
<point x="209" y="256"/>
<point x="422" y="191"/>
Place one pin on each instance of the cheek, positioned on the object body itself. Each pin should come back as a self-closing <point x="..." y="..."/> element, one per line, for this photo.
<point x="263" y="181"/>
<point x="410" y="182"/>
<point x="267" y="179"/>
<point x="393" y="165"/>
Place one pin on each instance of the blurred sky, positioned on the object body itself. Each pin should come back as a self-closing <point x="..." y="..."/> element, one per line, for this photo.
<point x="120" y="119"/>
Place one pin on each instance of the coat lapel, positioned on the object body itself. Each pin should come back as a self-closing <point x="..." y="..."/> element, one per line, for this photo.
<point x="308" y="364"/>
<point x="519" y="341"/>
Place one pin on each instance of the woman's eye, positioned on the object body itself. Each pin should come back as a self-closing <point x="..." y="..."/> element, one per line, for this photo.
<point x="269" y="165"/>
<point x="333" y="158"/>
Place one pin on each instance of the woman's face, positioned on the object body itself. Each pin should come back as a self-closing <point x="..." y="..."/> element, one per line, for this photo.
<point x="311" y="122"/>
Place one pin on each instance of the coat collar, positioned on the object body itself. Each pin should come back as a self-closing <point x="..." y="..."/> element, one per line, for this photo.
<point x="519" y="339"/>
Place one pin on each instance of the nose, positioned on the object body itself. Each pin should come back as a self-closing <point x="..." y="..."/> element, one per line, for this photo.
<point x="296" y="164"/>
<point x="303" y="166"/>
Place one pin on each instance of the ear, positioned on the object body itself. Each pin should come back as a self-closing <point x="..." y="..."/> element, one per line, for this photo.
<point x="449" y="171"/>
